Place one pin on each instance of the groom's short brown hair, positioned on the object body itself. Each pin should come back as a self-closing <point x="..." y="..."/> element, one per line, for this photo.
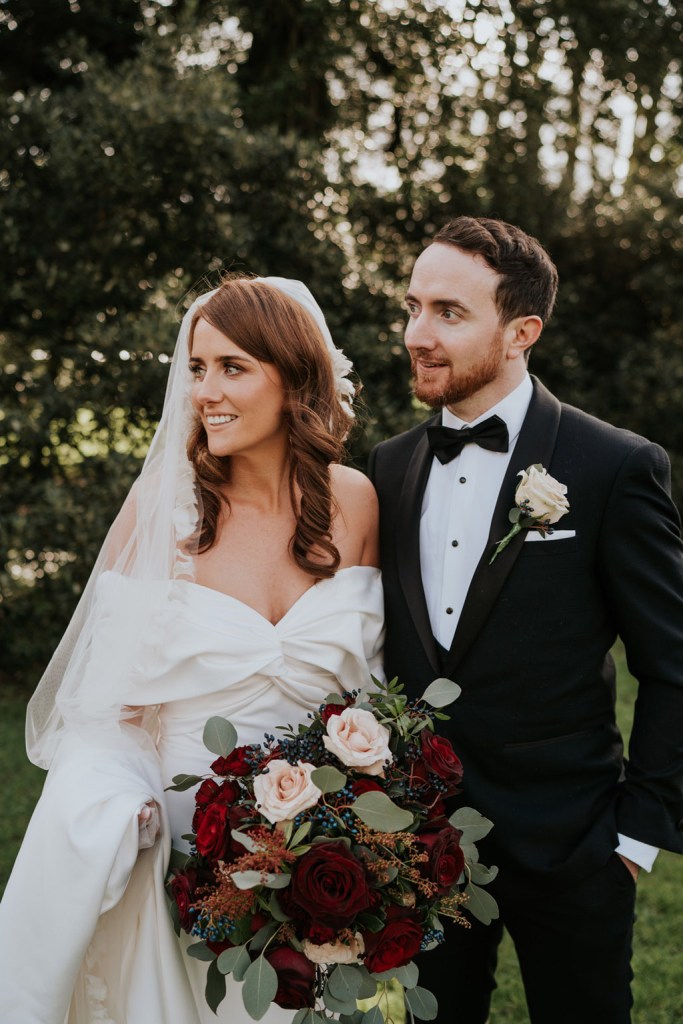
<point x="528" y="276"/>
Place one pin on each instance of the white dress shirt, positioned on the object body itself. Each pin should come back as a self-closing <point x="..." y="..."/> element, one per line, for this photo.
<point x="457" y="508"/>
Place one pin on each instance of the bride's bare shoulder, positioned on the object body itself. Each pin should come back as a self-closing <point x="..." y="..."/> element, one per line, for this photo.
<point x="356" y="500"/>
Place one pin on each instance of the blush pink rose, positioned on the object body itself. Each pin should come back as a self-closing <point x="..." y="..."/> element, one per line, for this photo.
<point x="358" y="740"/>
<point x="283" y="790"/>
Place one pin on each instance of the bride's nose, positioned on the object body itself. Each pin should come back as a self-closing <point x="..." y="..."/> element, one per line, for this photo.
<point x="207" y="389"/>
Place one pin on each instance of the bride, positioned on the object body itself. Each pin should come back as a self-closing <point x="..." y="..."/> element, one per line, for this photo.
<point x="239" y="579"/>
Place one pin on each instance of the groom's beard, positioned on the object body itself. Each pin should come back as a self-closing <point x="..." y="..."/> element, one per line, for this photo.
<point x="437" y="389"/>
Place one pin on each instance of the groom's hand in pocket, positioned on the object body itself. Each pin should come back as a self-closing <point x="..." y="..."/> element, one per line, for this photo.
<point x="633" y="868"/>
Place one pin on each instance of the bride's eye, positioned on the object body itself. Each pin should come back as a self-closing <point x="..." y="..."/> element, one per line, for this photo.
<point x="196" y="370"/>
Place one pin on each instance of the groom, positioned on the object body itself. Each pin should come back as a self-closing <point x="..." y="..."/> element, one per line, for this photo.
<point x="527" y="633"/>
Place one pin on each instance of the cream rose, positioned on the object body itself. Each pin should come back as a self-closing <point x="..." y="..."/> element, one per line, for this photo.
<point x="544" y="497"/>
<point x="284" y="790"/>
<point x="358" y="740"/>
<point x="335" y="952"/>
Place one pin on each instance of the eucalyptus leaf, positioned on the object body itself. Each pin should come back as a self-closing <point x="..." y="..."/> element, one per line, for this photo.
<point x="379" y="812"/>
<point x="220" y="736"/>
<point x="234" y="961"/>
<point x="406" y="975"/>
<point x="481" y="904"/>
<point x="471" y="823"/>
<point x="200" y="951"/>
<point x="469" y="852"/>
<point x="328" y="779"/>
<point x="422" y="1003"/>
<point x="306" y="1016"/>
<point x="373" y="1016"/>
<point x="514" y="514"/>
<point x="344" y="983"/>
<point x="250" y="879"/>
<point x="441" y="692"/>
<point x="368" y="985"/>
<point x="259" y="988"/>
<point x="183" y="782"/>
<point x="337" y="1005"/>
<point x="262" y="936"/>
<point x="334" y="698"/>
<point x="482" y="875"/>
<point x="216" y="986"/>
<point x="352" y="1018"/>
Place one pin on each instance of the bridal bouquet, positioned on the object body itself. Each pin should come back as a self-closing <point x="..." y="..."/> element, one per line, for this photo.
<point x="322" y="862"/>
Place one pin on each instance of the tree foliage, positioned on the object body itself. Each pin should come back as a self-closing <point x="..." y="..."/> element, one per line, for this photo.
<point x="145" y="146"/>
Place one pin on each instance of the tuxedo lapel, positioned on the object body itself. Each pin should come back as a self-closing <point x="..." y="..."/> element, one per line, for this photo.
<point x="535" y="444"/>
<point x="408" y="543"/>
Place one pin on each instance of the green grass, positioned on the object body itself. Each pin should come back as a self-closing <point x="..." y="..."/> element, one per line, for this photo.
<point x="658" y="947"/>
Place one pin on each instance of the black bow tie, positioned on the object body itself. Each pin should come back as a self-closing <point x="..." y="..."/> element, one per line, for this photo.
<point x="446" y="443"/>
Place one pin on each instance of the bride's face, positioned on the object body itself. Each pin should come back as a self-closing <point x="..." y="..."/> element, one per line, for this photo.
<point x="239" y="399"/>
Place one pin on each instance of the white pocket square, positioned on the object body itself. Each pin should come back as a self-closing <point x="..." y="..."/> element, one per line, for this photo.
<point x="545" y="537"/>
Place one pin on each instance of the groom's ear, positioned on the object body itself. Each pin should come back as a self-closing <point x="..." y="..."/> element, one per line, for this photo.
<point x="520" y="334"/>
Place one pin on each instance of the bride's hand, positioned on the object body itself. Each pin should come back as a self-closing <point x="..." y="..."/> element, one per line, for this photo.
<point x="149" y="825"/>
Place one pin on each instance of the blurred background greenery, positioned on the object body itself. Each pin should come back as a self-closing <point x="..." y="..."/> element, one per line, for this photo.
<point x="147" y="144"/>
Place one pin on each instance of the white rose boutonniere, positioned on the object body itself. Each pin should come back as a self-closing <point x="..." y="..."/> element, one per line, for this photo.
<point x="540" y="501"/>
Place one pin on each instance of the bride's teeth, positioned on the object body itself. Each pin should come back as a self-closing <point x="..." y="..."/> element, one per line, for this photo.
<point x="215" y="421"/>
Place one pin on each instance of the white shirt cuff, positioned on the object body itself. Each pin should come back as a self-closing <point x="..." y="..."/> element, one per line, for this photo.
<point x="641" y="854"/>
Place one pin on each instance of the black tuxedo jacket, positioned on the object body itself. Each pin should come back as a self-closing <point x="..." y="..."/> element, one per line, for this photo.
<point x="535" y="723"/>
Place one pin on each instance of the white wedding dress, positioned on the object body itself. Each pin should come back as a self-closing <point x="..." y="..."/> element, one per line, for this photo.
<point x="85" y="931"/>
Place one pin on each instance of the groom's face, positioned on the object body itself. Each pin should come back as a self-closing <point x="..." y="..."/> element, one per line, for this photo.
<point x="454" y="335"/>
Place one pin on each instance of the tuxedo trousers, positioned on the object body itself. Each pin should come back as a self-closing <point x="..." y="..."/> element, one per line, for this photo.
<point x="574" y="951"/>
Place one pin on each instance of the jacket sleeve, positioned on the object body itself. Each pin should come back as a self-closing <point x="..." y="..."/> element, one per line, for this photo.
<point x="641" y="564"/>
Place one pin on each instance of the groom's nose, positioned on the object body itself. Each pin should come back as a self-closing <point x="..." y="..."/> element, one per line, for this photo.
<point x="418" y="334"/>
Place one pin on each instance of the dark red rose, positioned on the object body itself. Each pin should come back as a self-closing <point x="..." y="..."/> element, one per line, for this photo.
<point x="213" y="832"/>
<point x="211" y="793"/>
<point x="446" y="859"/>
<point x="396" y="944"/>
<point x="320" y="933"/>
<point x="182" y="887"/>
<point x="205" y="794"/>
<point x="295" y="978"/>
<point x="360" y="786"/>
<point x="236" y="763"/>
<point x="330" y="884"/>
<point x="331" y="709"/>
<point x="440" y="758"/>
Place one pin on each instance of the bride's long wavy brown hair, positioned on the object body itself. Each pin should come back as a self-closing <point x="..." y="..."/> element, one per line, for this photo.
<point x="273" y="328"/>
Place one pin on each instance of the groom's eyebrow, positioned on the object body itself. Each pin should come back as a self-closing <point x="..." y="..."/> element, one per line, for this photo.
<point x="440" y="303"/>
